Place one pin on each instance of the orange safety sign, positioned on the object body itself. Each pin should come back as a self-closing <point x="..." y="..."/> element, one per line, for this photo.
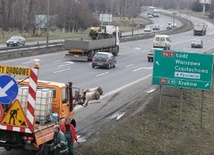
<point x="15" y="116"/>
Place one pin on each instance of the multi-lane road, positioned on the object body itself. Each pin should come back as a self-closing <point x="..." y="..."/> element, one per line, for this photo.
<point x="132" y="73"/>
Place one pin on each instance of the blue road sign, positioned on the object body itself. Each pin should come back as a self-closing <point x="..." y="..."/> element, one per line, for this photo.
<point x="8" y="89"/>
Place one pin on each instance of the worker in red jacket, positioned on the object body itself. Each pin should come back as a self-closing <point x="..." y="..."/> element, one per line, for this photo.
<point x="70" y="132"/>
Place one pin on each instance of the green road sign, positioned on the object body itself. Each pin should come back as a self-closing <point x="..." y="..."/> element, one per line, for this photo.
<point x="183" y="69"/>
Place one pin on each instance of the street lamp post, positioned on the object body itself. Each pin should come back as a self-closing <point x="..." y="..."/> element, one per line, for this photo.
<point x="48" y="15"/>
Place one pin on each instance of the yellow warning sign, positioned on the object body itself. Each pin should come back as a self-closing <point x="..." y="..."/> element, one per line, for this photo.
<point x="15" y="116"/>
<point x="15" y="70"/>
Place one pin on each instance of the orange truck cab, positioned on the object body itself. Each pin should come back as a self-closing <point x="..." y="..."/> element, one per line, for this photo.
<point x="61" y="105"/>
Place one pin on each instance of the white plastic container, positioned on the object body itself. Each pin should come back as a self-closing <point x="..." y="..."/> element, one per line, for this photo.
<point x="43" y="105"/>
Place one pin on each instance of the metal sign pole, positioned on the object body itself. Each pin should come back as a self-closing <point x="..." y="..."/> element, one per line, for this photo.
<point x="202" y="107"/>
<point x="160" y="100"/>
<point x="181" y="102"/>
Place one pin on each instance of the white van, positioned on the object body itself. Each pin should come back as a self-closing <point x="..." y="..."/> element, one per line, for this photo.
<point x="162" y="41"/>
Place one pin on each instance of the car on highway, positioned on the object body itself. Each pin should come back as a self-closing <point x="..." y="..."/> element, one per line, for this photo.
<point x="104" y="59"/>
<point x="150" y="16"/>
<point x="150" y="54"/>
<point x="174" y="25"/>
<point x="148" y="29"/>
<point x="156" y="27"/>
<point x="169" y="27"/>
<point x="197" y="43"/>
<point x="16" y="41"/>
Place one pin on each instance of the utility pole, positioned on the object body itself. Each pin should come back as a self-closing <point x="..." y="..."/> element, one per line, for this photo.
<point x="48" y="16"/>
<point x="13" y="15"/>
<point x="132" y="17"/>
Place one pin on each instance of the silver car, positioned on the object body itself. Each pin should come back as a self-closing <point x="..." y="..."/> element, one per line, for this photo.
<point x="197" y="43"/>
<point x="16" y="41"/>
<point x="148" y="29"/>
<point x="104" y="59"/>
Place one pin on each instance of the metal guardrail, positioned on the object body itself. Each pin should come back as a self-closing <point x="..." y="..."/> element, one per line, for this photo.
<point x="41" y="48"/>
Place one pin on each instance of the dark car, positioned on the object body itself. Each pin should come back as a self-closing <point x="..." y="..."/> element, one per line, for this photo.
<point x="103" y="59"/>
<point x="16" y="41"/>
<point x="197" y="43"/>
<point x="169" y="27"/>
<point x="156" y="27"/>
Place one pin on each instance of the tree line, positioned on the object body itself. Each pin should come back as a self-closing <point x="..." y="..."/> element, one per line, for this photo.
<point x="72" y="15"/>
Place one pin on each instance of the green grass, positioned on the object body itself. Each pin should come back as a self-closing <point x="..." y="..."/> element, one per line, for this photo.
<point x="149" y="134"/>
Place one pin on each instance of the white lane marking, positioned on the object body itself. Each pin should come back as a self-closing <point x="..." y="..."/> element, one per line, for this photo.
<point x="141" y="68"/>
<point x="211" y="47"/>
<point x="137" y="48"/>
<point x="58" y="60"/>
<point x="130" y="65"/>
<point x="63" y="70"/>
<point x="69" y="62"/>
<point x="77" y="107"/>
<point x="32" y="60"/>
<point x="26" y="62"/>
<point x="64" y="65"/>
<point x="149" y="91"/>
<point x="211" y="33"/>
<point x="102" y="74"/>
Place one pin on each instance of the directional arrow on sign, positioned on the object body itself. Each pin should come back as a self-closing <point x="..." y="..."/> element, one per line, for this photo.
<point x="5" y="89"/>
<point x="207" y="85"/>
<point x="157" y="63"/>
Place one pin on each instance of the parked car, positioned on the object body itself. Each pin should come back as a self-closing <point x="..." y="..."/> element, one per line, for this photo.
<point x="156" y="27"/>
<point x="103" y="59"/>
<point x="148" y="29"/>
<point x="16" y="41"/>
<point x="198" y="43"/>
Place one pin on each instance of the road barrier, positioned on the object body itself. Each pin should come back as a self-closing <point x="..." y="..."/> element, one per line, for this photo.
<point x="41" y="48"/>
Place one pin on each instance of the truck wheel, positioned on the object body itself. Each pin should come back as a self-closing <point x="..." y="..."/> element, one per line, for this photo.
<point x="115" y="51"/>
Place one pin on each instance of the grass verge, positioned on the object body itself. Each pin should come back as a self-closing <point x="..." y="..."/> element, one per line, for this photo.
<point x="146" y="133"/>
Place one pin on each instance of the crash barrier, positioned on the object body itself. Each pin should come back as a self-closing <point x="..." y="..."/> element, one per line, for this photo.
<point x="41" y="48"/>
<point x="186" y="26"/>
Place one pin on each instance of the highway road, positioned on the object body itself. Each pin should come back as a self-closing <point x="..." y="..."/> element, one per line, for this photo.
<point x="132" y="73"/>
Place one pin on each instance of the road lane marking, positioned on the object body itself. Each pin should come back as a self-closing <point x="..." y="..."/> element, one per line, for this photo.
<point x="64" y="65"/>
<point x="129" y="65"/>
<point x="142" y="68"/>
<point x="77" y="107"/>
<point x="102" y="74"/>
<point x="63" y="70"/>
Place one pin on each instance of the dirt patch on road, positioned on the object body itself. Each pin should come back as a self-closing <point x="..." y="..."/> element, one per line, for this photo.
<point x="143" y="131"/>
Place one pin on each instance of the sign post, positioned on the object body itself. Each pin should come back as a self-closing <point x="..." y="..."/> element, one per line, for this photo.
<point x="183" y="69"/>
